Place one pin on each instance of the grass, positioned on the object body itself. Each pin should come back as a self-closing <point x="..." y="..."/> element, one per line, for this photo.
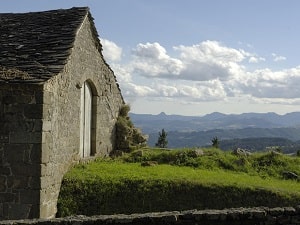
<point x="181" y="181"/>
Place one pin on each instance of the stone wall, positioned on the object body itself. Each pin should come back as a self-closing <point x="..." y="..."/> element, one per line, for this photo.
<point x="239" y="216"/>
<point x="21" y="127"/>
<point x="40" y="129"/>
<point x="62" y="114"/>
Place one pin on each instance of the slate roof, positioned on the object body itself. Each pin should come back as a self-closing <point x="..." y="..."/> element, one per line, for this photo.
<point x="35" y="46"/>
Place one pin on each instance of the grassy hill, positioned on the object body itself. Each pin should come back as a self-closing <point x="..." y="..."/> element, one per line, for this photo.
<point x="163" y="180"/>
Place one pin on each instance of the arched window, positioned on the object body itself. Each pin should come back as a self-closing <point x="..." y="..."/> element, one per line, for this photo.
<point x="86" y="120"/>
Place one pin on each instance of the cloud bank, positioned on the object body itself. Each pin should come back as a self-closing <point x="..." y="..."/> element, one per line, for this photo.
<point x="207" y="71"/>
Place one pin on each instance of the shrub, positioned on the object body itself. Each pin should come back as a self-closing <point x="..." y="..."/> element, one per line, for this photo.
<point x="127" y="136"/>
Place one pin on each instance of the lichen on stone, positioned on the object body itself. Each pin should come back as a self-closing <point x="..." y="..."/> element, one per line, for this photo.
<point x="13" y="73"/>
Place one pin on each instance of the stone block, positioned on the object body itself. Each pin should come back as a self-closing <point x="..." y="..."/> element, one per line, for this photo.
<point x="48" y="98"/>
<point x="33" y="111"/>
<point x="9" y="99"/>
<point x="38" y="125"/>
<point x="47" y="125"/>
<point x="7" y="197"/>
<point x="15" y="152"/>
<point x="47" y="138"/>
<point x="34" y="182"/>
<point x="3" y="183"/>
<point x="18" y="211"/>
<point x="26" y="169"/>
<point x="45" y="153"/>
<point x="1" y="212"/>
<point x="48" y="210"/>
<point x="36" y="153"/>
<point x="17" y="182"/>
<point x="29" y="196"/>
<point x="13" y="109"/>
<point x="4" y="138"/>
<point x="25" y="137"/>
<point x="4" y="170"/>
<point x="39" y="95"/>
<point x="24" y="99"/>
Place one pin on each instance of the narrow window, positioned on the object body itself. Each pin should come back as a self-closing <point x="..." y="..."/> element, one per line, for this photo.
<point x="86" y="120"/>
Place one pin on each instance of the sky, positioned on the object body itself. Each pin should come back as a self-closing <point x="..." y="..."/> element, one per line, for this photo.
<point x="196" y="57"/>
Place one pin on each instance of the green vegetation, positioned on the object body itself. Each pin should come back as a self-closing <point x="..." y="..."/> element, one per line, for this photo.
<point x="128" y="137"/>
<point x="179" y="180"/>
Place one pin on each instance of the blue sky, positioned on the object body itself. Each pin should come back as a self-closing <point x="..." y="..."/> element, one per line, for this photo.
<point x="197" y="56"/>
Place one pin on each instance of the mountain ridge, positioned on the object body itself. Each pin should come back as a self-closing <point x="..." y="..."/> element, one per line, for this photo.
<point x="263" y="129"/>
<point x="153" y="123"/>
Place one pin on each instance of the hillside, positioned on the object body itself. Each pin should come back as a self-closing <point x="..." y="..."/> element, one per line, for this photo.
<point x="254" y="131"/>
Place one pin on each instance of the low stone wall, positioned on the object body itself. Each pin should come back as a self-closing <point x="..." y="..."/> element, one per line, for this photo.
<point x="259" y="215"/>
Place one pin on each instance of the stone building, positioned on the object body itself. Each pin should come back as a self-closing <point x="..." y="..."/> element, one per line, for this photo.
<point x="59" y="102"/>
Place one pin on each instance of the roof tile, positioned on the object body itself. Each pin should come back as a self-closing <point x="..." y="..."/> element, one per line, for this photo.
<point x="37" y="44"/>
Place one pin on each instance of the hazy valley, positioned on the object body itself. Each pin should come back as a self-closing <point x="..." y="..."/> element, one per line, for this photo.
<point x="253" y="131"/>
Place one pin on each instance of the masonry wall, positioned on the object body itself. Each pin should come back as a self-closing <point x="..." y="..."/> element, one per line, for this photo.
<point x="61" y="115"/>
<point x="239" y="216"/>
<point x="21" y="129"/>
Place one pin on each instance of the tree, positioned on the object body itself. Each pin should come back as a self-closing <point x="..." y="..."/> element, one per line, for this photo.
<point x="162" y="141"/>
<point x="215" y="142"/>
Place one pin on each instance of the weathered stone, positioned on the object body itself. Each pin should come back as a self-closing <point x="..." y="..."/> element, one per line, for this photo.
<point x="7" y="197"/>
<point x="290" y="175"/>
<point x="7" y="100"/>
<point x="241" y="152"/>
<point x="40" y="107"/>
<point x="276" y="211"/>
<point x="25" y="169"/>
<point x="29" y="196"/>
<point x="15" y="152"/>
<point x="17" y="182"/>
<point x="289" y="211"/>
<point x="3" y="183"/>
<point x="4" y="138"/>
<point x="178" y="218"/>
<point x="149" y="163"/>
<point x="18" y="211"/>
<point x="5" y="170"/>
<point x="198" y="152"/>
<point x="33" y="111"/>
<point x="25" y="137"/>
<point x="1" y="211"/>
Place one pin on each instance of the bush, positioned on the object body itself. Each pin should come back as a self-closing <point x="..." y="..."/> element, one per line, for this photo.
<point x="127" y="136"/>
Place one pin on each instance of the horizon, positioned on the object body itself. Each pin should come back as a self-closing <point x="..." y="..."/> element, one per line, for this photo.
<point x="206" y="56"/>
<point x="227" y="114"/>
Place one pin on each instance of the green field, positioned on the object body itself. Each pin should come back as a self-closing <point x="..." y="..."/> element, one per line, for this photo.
<point x="181" y="180"/>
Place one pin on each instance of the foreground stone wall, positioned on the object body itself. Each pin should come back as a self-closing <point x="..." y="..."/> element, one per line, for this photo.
<point x="21" y="131"/>
<point x="241" y="216"/>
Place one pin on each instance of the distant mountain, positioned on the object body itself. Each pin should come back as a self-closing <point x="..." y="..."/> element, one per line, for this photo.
<point x="154" y="123"/>
<point x="254" y="130"/>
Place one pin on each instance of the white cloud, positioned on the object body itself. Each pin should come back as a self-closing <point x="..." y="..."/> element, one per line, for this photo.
<point x="265" y="83"/>
<point x="205" y="61"/>
<point x="277" y="58"/>
<point x="111" y="51"/>
<point x="134" y="90"/>
<point x="152" y="60"/>
<point x="208" y="71"/>
<point x="209" y="60"/>
<point x="254" y="59"/>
